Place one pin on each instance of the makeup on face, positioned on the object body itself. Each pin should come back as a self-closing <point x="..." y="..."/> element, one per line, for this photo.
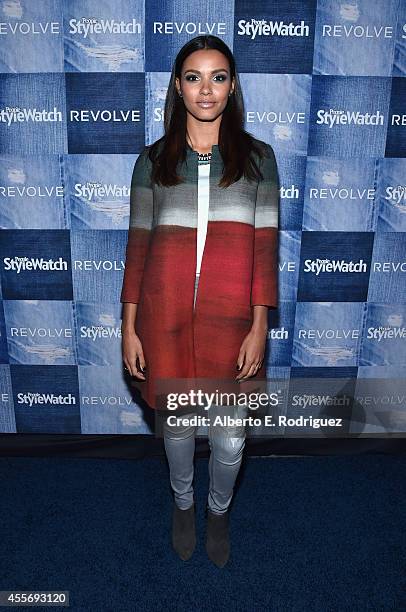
<point x="220" y="75"/>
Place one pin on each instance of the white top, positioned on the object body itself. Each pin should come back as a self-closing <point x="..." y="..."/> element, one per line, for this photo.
<point x="203" y="191"/>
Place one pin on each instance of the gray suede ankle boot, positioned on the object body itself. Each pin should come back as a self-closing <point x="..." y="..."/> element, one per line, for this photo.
<point x="217" y="537"/>
<point x="183" y="531"/>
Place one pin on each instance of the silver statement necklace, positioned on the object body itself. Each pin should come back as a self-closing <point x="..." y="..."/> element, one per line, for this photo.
<point x="202" y="158"/>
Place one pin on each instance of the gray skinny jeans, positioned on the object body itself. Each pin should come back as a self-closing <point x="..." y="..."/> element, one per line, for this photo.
<point x="226" y="448"/>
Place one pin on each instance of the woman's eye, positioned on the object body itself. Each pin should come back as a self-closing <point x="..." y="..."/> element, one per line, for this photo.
<point x="222" y="77"/>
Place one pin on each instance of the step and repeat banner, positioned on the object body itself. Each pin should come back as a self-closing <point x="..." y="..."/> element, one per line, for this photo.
<point x="82" y="90"/>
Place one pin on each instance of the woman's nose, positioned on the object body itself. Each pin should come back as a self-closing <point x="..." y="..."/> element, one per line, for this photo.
<point x="205" y="87"/>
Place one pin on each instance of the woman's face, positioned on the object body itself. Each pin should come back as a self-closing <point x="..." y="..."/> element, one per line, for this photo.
<point x="205" y="83"/>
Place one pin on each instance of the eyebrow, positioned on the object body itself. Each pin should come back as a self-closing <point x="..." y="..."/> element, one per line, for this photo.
<point x="212" y="72"/>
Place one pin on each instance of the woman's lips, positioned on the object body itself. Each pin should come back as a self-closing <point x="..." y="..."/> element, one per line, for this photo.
<point x="206" y="104"/>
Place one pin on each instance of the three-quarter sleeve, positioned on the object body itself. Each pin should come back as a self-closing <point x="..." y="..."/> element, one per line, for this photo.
<point x="264" y="288"/>
<point x="140" y="226"/>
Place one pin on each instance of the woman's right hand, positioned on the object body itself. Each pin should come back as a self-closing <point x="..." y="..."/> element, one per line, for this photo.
<point x="131" y="349"/>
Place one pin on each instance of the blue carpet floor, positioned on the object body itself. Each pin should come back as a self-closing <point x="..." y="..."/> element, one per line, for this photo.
<point x="307" y="534"/>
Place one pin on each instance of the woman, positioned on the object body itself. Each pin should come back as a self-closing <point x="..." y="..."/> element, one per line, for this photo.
<point x="201" y="269"/>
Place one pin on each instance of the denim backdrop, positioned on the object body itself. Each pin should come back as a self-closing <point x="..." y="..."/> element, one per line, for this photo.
<point x="82" y="89"/>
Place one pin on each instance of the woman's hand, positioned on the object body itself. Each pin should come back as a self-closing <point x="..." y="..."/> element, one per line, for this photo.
<point x="131" y="350"/>
<point x="252" y="352"/>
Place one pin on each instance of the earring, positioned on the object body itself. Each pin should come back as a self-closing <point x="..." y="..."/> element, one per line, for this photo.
<point x="180" y="93"/>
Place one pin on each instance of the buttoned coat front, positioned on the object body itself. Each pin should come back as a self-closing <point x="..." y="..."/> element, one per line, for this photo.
<point x="239" y="268"/>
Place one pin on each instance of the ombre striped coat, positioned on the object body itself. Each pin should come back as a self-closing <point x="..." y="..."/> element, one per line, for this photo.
<point x="239" y="269"/>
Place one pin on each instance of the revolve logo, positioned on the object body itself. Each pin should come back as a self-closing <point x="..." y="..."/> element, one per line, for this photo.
<point x="189" y="27"/>
<point x="106" y="115"/>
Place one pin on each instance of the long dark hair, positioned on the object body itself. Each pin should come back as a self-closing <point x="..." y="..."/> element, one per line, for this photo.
<point x="235" y="144"/>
